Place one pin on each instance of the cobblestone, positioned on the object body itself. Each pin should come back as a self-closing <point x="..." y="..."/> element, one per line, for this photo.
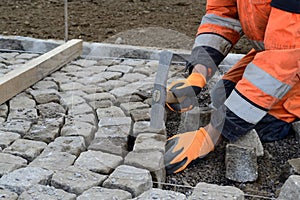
<point x="143" y="140"/>
<point x="45" y="96"/>
<point x="99" y="162"/>
<point x="22" y="179"/>
<point x="46" y="193"/>
<point x="9" y="163"/>
<point x="104" y="194"/>
<point x="131" y="179"/>
<point x="76" y="180"/>
<point x="291" y="189"/>
<point x="161" y="194"/>
<point x="7" y="138"/>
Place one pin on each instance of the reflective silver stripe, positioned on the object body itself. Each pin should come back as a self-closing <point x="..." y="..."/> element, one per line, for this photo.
<point x="222" y="21"/>
<point x="242" y="108"/>
<point x="257" y="45"/>
<point x="214" y="41"/>
<point x="265" y="82"/>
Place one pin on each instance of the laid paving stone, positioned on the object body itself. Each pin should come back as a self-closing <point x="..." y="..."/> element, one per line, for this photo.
<point x="128" y="107"/>
<point x="196" y="118"/>
<point x="112" y="111"/>
<point x="290" y="189"/>
<point x="122" y="91"/>
<point x="88" y="118"/>
<point x="104" y="194"/>
<point x="241" y="163"/>
<point x="69" y="86"/>
<point x="51" y="110"/>
<point x="92" y="79"/>
<point x="134" y="63"/>
<point x="3" y="110"/>
<point x="27" y="56"/>
<point x="45" y="96"/>
<point x="140" y="115"/>
<point x="144" y="127"/>
<point x="207" y="191"/>
<point x="75" y="128"/>
<point x="120" y="68"/>
<point x="251" y="139"/>
<point x="27" y="149"/>
<point x="129" y="178"/>
<point x="9" y="163"/>
<point x="110" y="75"/>
<point x="71" y="68"/>
<point x="106" y="144"/>
<point x="156" y="193"/>
<point x="22" y="101"/>
<point x="46" y="193"/>
<point x="147" y="142"/>
<point x="114" y="121"/>
<point x="8" y="195"/>
<point x="45" y="85"/>
<point x="296" y="128"/>
<point x="76" y="180"/>
<point x="23" y="113"/>
<point x="108" y="62"/>
<point x="133" y="77"/>
<point x="53" y="160"/>
<point x="62" y="78"/>
<point x="46" y="130"/>
<point x="20" y="126"/>
<point x="99" y="162"/>
<point x="68" y="100"/>
<point x="22" y="179"/>
<point x="73" y="145"/>
<point x="2" y="120"/>
<point x="127" y="99"/>
<point x="153" y="161"/>
<point x="100" y="100"/>
<point x="7" y="138"/>
<point x="84" y="62"/>
<point x="111" y="84"/>
<point x="83" y="108"/>
<point x="80" y="74"/>
<point x="96" y="69"/>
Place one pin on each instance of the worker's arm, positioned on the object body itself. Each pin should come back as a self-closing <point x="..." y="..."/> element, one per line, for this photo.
<point x="218" y="32"/>
<point x="272" y="73"/>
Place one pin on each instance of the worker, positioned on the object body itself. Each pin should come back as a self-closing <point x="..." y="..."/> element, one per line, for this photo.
<point x="261" y="91"/>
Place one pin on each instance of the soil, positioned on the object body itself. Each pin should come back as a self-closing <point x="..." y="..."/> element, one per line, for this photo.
<point x="155" y="23"/>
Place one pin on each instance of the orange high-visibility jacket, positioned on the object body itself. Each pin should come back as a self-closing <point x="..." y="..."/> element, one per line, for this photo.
<point x="273" y="28"/>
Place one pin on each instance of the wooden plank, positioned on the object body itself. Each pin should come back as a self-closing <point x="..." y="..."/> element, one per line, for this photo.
<point x="31" y="72"/>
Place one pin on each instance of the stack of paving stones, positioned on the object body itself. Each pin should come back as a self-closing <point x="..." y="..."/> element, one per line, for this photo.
<point x="84" y="133"/>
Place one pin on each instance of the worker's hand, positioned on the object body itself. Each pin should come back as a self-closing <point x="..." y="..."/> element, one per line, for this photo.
<point x="183" y="148"/>
<point x="181" y="94"/>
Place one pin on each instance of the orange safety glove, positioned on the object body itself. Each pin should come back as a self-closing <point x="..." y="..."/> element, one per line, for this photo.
<point x="181" y="94"/>
<point x="183" y="148"/>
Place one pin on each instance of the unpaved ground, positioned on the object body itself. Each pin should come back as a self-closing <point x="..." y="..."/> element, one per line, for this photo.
<point x="157" y="23"/>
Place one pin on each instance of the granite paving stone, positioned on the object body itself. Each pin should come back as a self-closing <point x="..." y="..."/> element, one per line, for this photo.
<point x="144" y="127"/>
<point x="71" y="144"/>
<point x="129" y="178"/>
<point x="3" y="110"/>
<point x="96" y="69"/>
<point x="20" y="126"/>
<point x="84" y="62"/>
<point x="147" y="142"/>
<point x="9" y="163"/>
<point x="22" y="100"/>
<point x="7" y="138"/>
<point x="290" y="189"/>
<point x="69" y="100"/>
<point x="27" y="149"/>
<point x="104" y="194"/>
<point x="100" y="100"/>
<point x="129" y="98"/>
<point x="134" y="63"/>
<point x="107" y="144"/>
<point x="112" y="111"/>
<point x="156" y="193"/>
<point x="291" y="167"/>
<point x="108" y="62"/>
<point x="130" y="106"/>
<point x="69" y="86"/>
<point x="46" y="192"/>
<point x="80" y="74"/>
<point x="251" y="139"/>
<point x="241" y="163"/>
<point x="45" y="85"/>
<point x="45" y="96"/>
<point x="76" y="180"/>
<point x="53" y="160"/>
<point x="27" y="56"/>
<point x="62" y="78"/>
<point x="111" y="84"/>
<point x="45" y="130"/>
<point x="88" y="118"/>
<point x="51" y="110"/>
<point x="23" y="113"/>
<point x="91" y="80"/>
<point x="76" y="128"/>
<point x="71" y="68"/>
<point x="153" y="161"/>
<point x="99" y="162"/>
<point x="207" y="191"/>
<point x="8" y="195"/>
<point x="83" y="108"/>
<point x="133" y="77"/>
<point x="140" y="114"/>
<point x="111" y="75"/>
<point x="120" y="68"/>
<point x="22" y="179"/>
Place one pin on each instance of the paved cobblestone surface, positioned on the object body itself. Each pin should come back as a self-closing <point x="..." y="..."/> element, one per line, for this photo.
<point x="83" y="132"/>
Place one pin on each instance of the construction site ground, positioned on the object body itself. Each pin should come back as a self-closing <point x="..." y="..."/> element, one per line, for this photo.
<point x="164" y="24"/>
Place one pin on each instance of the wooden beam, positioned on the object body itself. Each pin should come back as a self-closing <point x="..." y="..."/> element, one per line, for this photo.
<point x="31" y="72"/>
